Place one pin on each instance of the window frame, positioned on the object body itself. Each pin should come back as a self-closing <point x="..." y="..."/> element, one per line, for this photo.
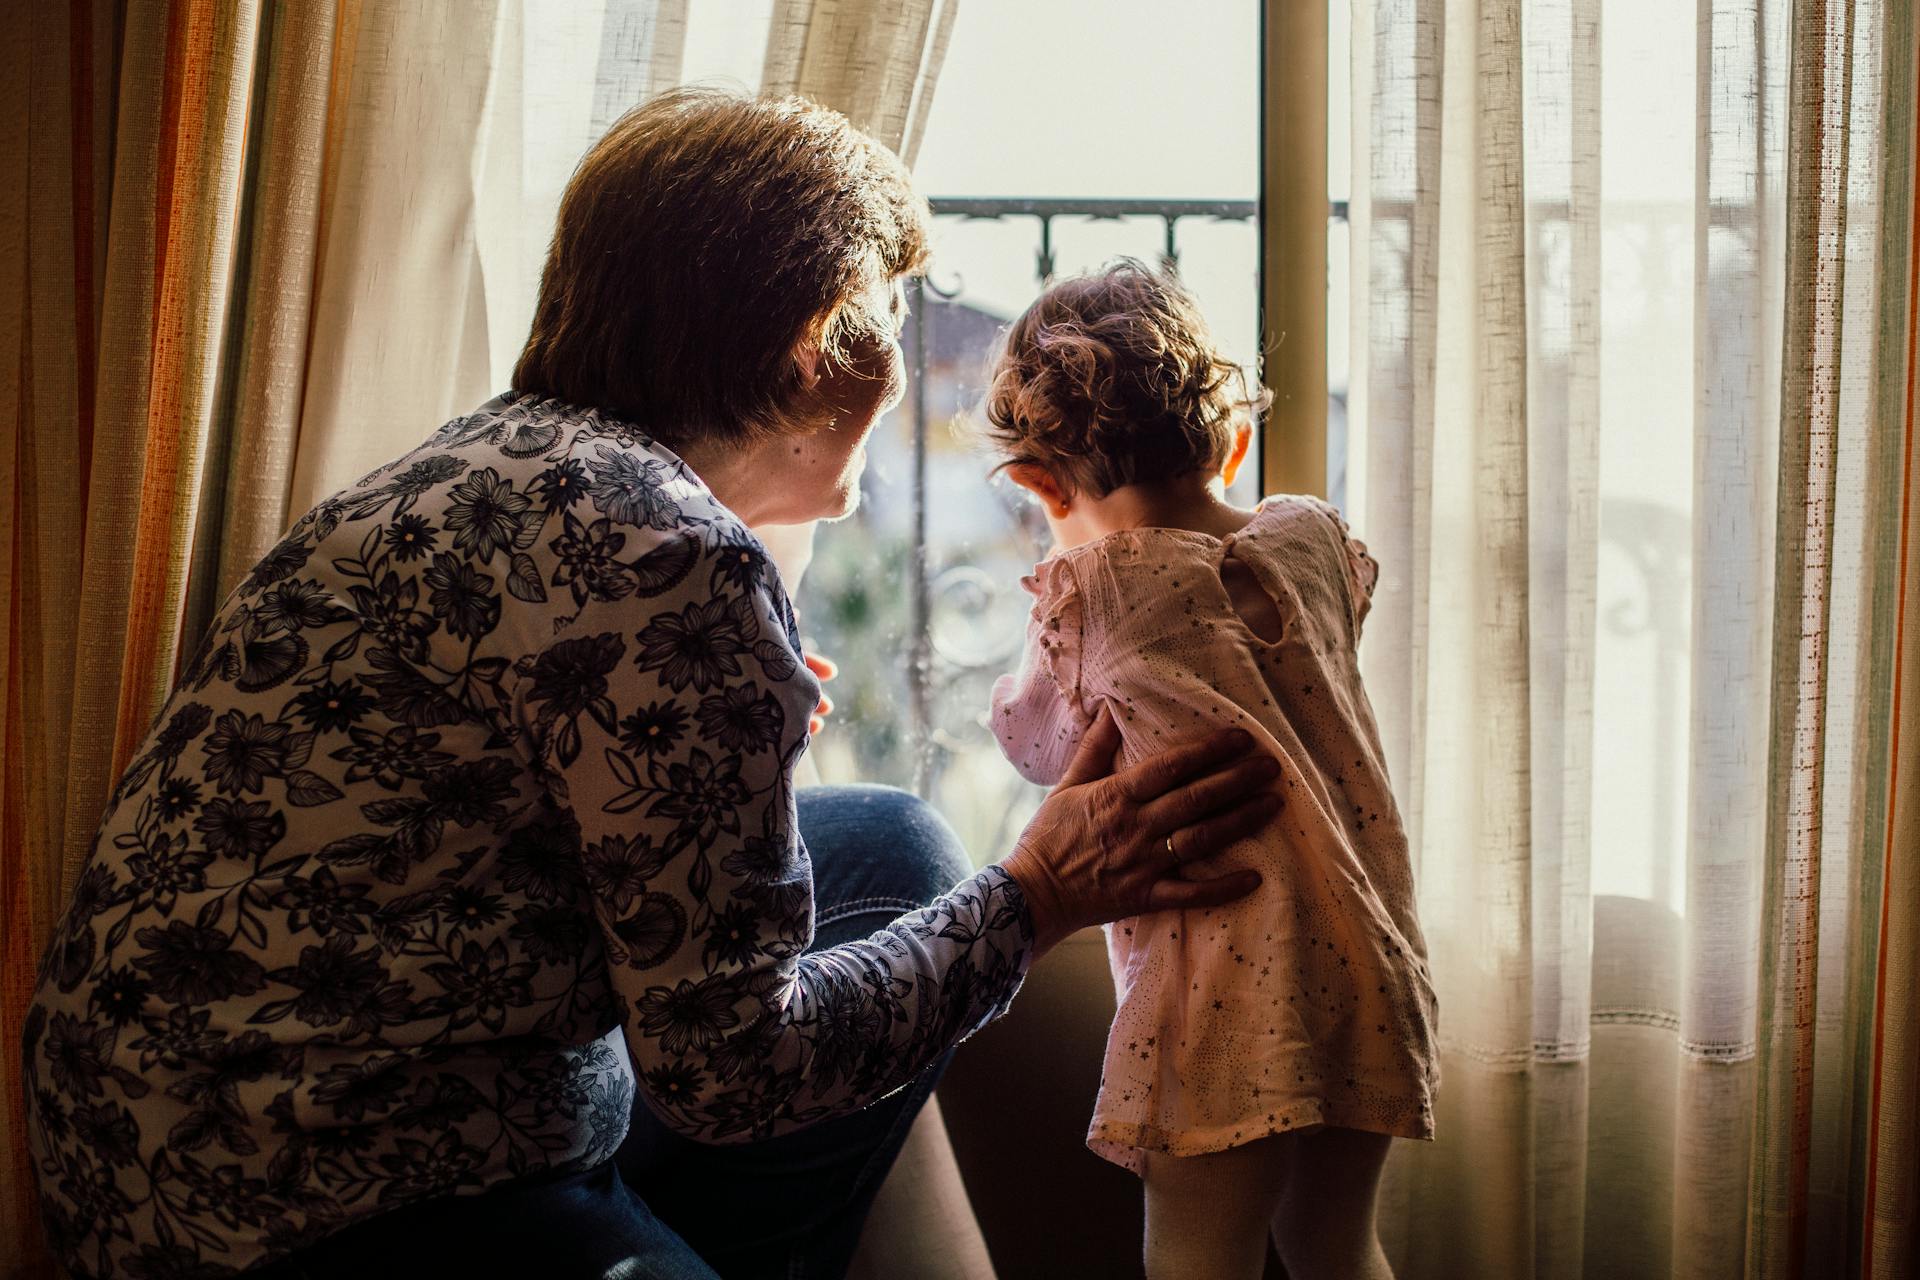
<point x="1293" y="244"/>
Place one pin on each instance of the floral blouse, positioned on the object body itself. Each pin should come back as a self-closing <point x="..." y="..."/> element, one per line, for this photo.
<point x="489" y="762"/>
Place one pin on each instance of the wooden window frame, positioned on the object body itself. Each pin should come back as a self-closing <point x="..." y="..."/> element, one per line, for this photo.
<point x="1293" y="244"/>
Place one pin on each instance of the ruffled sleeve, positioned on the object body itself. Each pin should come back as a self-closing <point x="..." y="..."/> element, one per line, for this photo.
<point x="1363" y="571"/>
<point x="1038" y="715"/>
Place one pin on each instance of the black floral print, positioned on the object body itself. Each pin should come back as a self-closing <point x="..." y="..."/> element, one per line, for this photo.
<point x="486" y="514"/>
<point x="699" y="647"/>
<point x="742" y="718"/>
<point x="462" y="597"/>
<point x="241" y="829"/>
<point x="655" y="729"/>
<point x="486" y="765"/>
<point x="330" y="707"/>
<point x="411" y="537"/>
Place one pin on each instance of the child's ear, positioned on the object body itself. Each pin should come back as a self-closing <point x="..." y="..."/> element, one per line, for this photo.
<point x="1242" y="441"/>
<point x="1038" y="481"/>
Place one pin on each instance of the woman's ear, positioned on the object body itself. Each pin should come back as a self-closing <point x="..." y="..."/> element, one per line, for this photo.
<point x="1038" y="481"/>
<point x="809" y="361"/>
<point x="1242" y="441"/>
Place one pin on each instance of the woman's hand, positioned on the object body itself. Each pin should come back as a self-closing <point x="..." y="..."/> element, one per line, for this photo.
<point x="826" y="669"/>
<point x="1105" y="846"/>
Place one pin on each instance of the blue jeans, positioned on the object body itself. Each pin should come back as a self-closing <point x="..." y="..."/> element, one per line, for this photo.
<point x="665" y="1207"/>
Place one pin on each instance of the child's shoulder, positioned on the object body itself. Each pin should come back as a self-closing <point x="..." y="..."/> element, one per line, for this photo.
<point x="1296" y="515"/>
<point x="1298" y="527"/>
<point x="1119" y="555"/>
<point x="1286" y="526"/>
<point x="1283" y="507"/>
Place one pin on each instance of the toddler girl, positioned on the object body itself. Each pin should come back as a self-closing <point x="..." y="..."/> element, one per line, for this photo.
<point x="1263" y="1053"/>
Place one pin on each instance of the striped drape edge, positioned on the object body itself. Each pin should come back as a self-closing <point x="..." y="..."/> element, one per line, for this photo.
<point x="203" y="549"/>
<point x="59" y="117"/>
<point x="177" y="166"/>
<point x="1891" y="1203"/>
<point x="17" y="101"/>
<point x="1888" y="1184"/>
<point x="1818" y="197"/>
<point x="126" y="127"/>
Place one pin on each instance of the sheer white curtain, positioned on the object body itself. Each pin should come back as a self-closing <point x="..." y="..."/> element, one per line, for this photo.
<point x="1619" y="440"/>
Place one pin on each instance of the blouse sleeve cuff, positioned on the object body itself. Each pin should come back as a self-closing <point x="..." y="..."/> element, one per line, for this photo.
<point x="1008" y="931"/>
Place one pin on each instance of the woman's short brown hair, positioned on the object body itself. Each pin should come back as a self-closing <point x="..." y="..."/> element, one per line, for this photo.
<point x="699" y="242"/>
<point x="1111" y="379"/>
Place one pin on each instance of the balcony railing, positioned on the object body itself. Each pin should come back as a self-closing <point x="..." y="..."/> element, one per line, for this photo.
<point x="1170" y="212"/>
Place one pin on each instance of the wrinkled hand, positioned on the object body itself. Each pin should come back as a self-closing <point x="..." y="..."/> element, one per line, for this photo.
<point x="826" y="669"/>
<point x="1105" y="846"/>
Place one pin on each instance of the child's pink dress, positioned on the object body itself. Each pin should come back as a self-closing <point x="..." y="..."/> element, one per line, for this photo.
<point x="1309" y="1001"/>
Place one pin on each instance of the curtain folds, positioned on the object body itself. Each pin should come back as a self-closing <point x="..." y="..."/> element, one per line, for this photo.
<point x="876" y="61"/>
<point x="56" y="126"/>
<point x="263" y="357"/>
<point x="1631" y="421"/>
<point x="399" y="314"/>
<point x="176" y="161"/>
<point x="1822" y="413"/>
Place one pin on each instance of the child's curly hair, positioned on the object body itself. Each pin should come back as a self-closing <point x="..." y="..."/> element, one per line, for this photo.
<point x="1113" y="378"/>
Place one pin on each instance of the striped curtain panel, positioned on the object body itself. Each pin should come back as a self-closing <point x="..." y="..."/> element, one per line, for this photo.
<point x="1634" y="353"/>
<point x="1887" y="976"/>
<point x="124" y="127"/>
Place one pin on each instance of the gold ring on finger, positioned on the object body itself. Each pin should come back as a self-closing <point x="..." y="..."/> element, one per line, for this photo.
<point x="1171" y="851"/>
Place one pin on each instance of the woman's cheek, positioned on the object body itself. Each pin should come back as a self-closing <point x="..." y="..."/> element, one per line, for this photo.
<point x="896" y="379"/>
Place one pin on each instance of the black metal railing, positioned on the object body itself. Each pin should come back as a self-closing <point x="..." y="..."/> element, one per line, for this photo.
<point x="1170" y="213"/>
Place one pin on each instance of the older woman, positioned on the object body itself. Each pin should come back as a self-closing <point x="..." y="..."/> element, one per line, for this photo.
<point x="460" y="898"/>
